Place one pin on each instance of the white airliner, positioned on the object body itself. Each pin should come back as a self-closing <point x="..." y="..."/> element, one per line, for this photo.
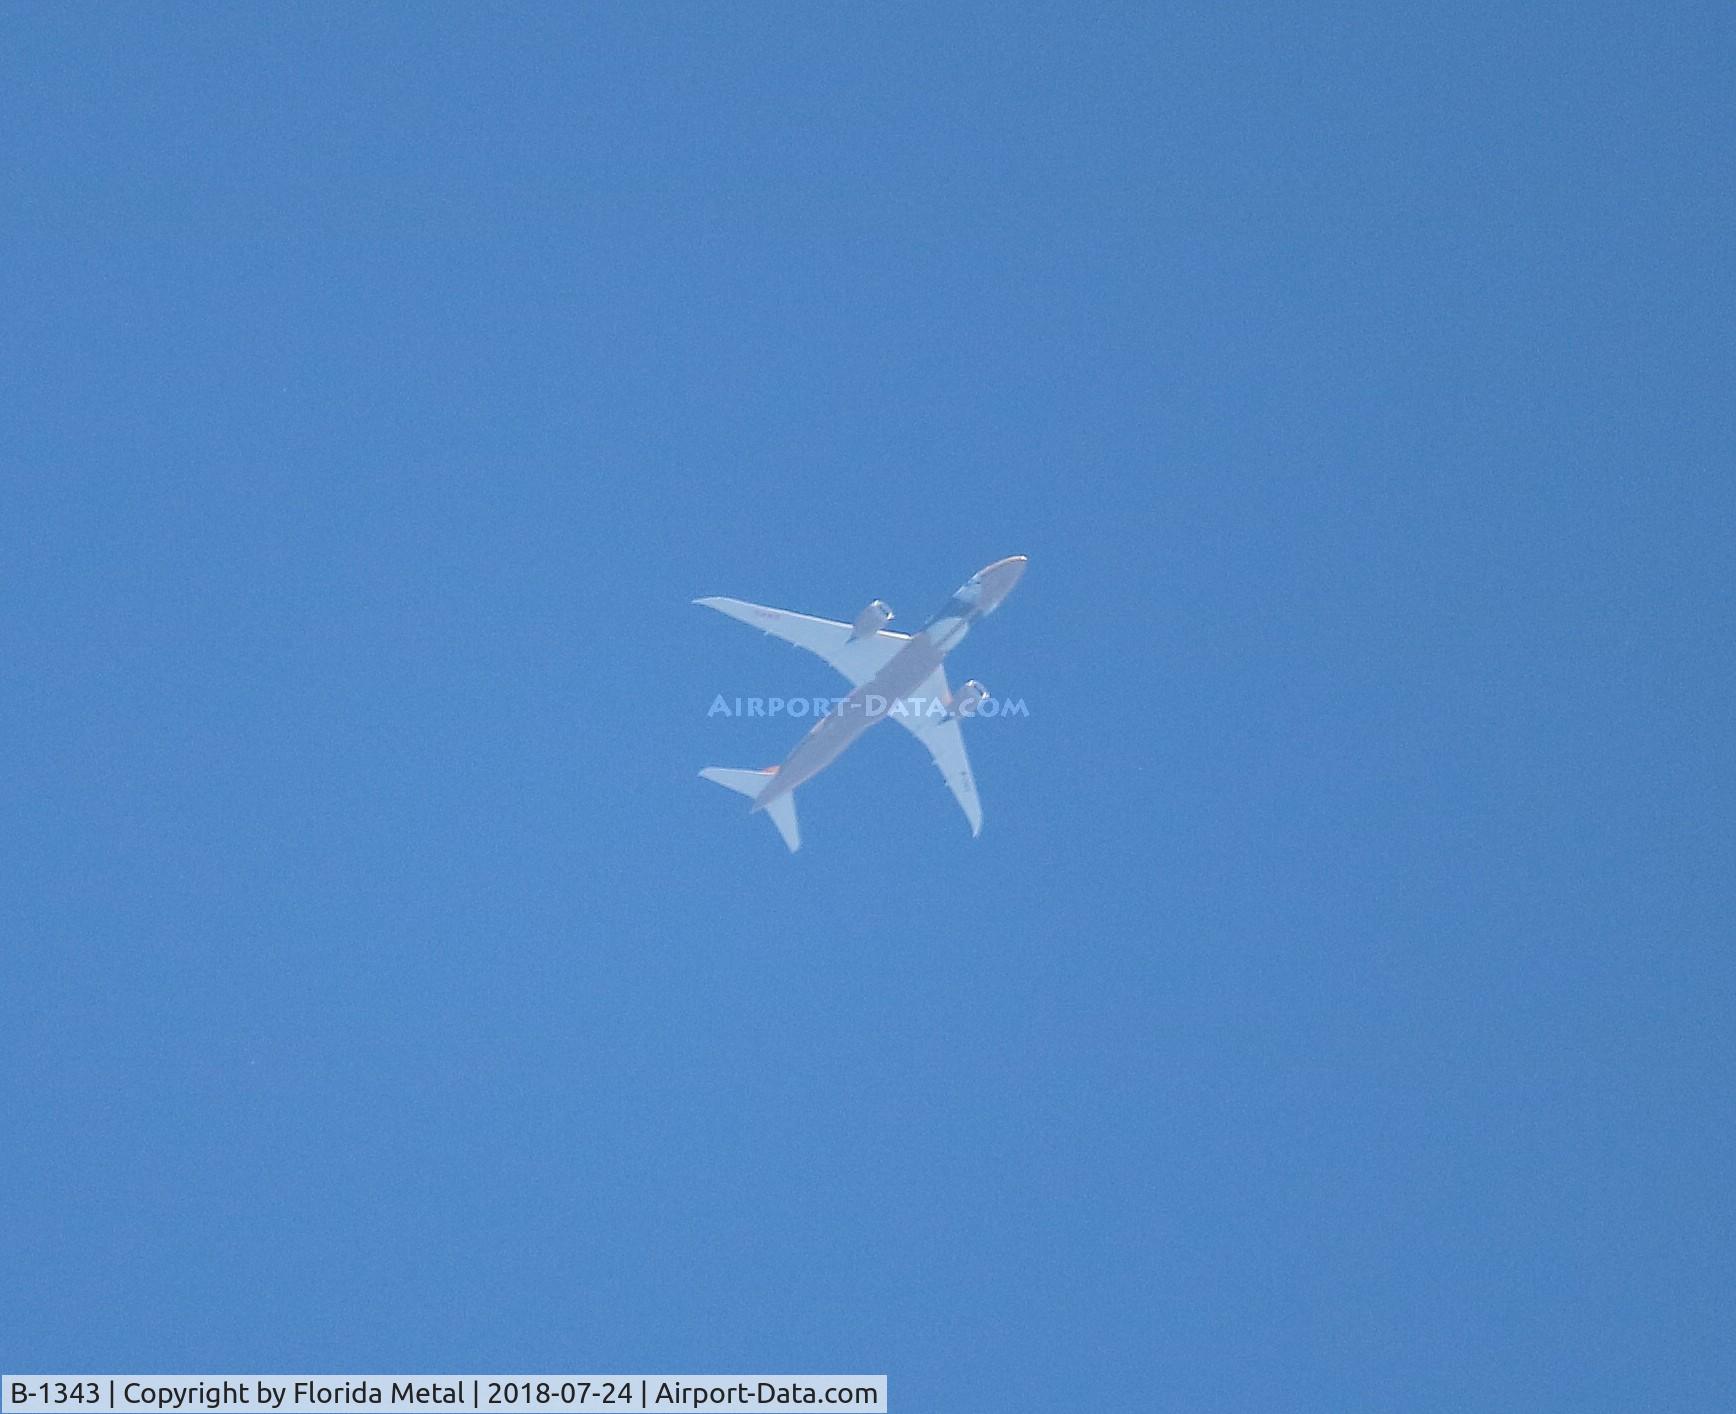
<point x="891" y="674"/>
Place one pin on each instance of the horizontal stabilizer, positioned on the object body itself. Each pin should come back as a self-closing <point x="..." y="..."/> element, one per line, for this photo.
<point x="748" y="783"/>
<point x="752" y="784"/>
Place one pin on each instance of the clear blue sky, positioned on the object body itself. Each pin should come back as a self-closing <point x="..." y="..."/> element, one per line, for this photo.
<point x="1336" y="1010"/>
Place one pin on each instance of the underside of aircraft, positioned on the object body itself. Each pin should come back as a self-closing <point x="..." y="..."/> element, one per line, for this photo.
<point x="891" y="674"/>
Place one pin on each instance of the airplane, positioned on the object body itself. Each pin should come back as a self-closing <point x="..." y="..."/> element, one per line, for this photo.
<point x="887" y="671"/>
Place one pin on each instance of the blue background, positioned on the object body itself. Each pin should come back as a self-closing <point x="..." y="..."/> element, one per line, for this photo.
<point x="1336" y="1010"/>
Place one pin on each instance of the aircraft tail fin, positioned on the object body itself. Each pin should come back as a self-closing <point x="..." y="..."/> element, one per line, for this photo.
<point x="752" y="784"/>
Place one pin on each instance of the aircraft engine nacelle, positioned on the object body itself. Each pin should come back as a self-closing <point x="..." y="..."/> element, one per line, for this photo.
<point x="966" y="699"/>
<point x="871" y="620"/>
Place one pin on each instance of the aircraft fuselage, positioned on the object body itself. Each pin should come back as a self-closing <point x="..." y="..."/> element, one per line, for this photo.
<point x="903" y="674"/>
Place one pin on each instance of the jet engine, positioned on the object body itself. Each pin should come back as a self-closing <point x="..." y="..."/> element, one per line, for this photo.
<point x="965" y="701"/>
<point x="871" y="620"/>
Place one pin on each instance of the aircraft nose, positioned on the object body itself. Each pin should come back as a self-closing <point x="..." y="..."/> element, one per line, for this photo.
<point x="999" y="578"/>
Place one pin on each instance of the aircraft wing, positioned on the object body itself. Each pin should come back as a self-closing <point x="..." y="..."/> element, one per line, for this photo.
<point x="858" y="659"/>
<point x="945" y="744"/>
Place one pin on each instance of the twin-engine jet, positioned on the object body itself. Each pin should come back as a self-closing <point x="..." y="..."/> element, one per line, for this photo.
<point x="891" y="674"/>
